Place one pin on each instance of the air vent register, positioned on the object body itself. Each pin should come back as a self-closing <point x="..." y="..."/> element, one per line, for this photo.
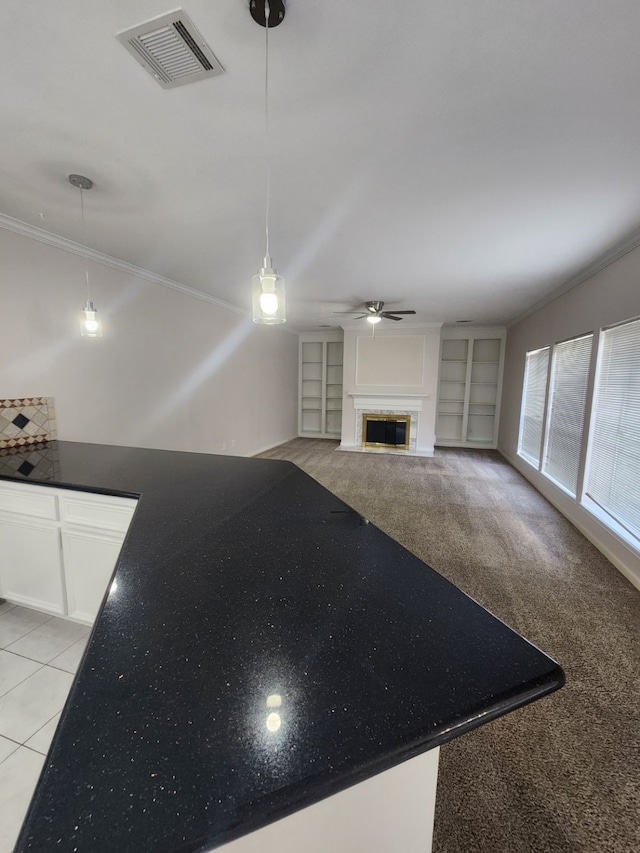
<point x="171" y="49"/>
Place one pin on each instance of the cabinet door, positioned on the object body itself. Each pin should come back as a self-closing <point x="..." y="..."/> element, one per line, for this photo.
<point x="31" y="564"/>
<point x="89" y="559"/>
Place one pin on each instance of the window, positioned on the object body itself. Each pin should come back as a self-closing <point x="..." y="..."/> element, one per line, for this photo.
<point x="613" y="456"/>
<point x="565" y="418"/>
<point x="532" y="412"/>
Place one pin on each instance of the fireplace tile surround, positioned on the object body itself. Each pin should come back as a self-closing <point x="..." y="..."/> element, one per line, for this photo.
<point x="392" y="405"/>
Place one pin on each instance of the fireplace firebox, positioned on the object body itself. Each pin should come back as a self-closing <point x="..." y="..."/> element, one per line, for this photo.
<point x="390" y="431"/>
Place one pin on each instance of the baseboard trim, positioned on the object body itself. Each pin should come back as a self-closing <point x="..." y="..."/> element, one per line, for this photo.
<point x="269" y="447"/>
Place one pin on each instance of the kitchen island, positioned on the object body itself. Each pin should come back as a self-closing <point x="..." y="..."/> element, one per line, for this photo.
<point x="260" y="649"/>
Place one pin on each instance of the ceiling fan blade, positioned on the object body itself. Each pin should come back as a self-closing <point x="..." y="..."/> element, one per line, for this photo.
<point x="401" y="312"/>
<point x="389" y="316"/>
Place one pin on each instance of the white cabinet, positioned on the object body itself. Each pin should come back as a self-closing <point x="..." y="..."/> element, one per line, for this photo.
<point x="30" y="553"/>
<point x="393" y="810"/>
<point x="89" y="560"/>
<point x="320" y="385"/>
<point x="93" y="530"/>
<point x="105" y="512"/>
<point x="58" y="548"/>
<point x="469" y="387"/>
<point x="31" y="564"/>
<point x="23" y="499"/>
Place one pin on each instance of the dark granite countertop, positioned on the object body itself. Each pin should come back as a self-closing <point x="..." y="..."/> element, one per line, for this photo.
<point x="242" y="579"/>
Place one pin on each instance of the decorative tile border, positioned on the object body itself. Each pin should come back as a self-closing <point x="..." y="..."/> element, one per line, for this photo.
<point x="26" y="421"/>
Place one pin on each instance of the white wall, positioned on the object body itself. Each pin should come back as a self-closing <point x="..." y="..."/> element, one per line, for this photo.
<point x="171" y="371"/>
<point x="610" y="296"/>
<point x="409" y="367"/>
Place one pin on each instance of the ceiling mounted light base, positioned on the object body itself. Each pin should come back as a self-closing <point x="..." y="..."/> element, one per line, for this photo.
<point x="80" y="182"/>
<point x="276" y="12"/>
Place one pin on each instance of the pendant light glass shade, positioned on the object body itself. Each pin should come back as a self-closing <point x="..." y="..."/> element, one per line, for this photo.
<point x="268" y="296"/>
<point x="90" y="326"/>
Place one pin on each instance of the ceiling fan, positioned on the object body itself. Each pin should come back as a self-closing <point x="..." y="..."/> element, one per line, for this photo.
<point x="373" y="311"/>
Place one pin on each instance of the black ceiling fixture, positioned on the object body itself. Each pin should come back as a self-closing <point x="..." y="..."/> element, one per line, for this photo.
<point x="276" y="12"/>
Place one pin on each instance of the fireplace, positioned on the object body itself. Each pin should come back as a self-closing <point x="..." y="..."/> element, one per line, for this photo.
<point x="404" y="408"/>
<point x="391" y="431"/>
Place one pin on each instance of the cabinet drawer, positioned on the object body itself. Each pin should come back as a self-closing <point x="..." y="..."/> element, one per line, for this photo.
<point x="101" y="511"/>
<point x="23" y="499"/>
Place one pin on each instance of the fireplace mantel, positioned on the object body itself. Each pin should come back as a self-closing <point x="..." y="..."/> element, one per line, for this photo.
<point x="388" y="402"/>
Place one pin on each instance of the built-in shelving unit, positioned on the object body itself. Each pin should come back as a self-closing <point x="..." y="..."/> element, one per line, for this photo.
<point x="471" y="365"/>
<point x="320" y="412"/>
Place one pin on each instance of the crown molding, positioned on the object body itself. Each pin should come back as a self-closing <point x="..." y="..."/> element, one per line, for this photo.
<point x="42" y="236"/>
<point x="596" y="266"/>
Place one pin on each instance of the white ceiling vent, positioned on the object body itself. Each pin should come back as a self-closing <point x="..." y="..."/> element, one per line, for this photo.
<point x="171" y="49"/>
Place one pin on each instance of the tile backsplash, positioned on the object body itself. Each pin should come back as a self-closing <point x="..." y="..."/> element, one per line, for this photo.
<point x="25" y="422"/>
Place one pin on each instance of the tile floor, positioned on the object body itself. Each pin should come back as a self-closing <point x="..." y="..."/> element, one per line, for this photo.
<point x="39" y="655"/>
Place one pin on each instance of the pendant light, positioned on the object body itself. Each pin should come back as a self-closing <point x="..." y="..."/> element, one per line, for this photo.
<point x="89" y="324"/>
<point x="267" y="286"/>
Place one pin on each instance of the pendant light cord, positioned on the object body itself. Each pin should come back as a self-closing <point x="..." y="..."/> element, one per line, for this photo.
<point x="84" y="243"/>
<point x="267" y="12"/>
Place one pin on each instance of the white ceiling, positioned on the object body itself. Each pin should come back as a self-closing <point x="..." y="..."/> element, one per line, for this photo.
<point x="464" y="158"/>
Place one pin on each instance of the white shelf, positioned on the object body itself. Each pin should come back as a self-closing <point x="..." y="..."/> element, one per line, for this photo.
<point x="469" y="387"/>
<point x="320" y="388"/>
<point x="455" y="349"/>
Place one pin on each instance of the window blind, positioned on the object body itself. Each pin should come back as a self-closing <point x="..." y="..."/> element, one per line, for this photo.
<point x="613" y="479"/>
<point x="565" y="418"/>
<point x="532" y="411"/>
